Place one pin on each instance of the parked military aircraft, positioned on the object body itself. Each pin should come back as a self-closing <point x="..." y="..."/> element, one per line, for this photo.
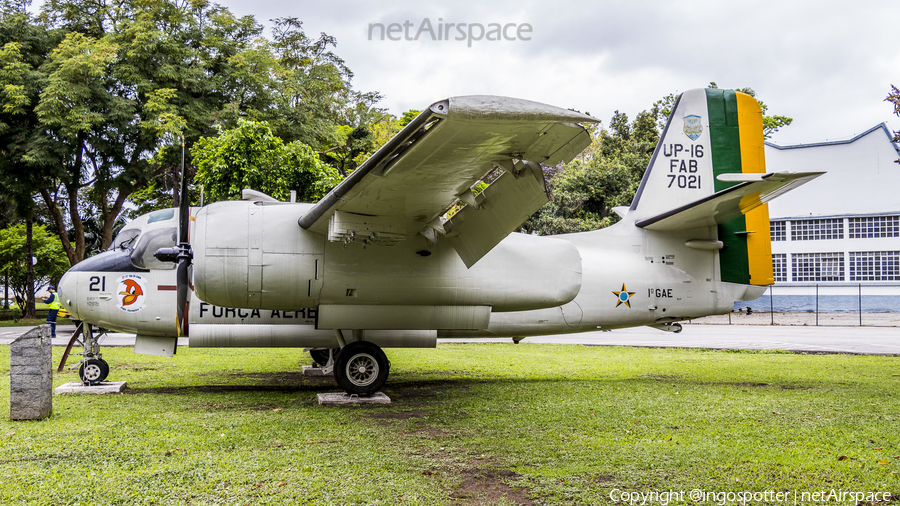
<point x="380" y="262"/>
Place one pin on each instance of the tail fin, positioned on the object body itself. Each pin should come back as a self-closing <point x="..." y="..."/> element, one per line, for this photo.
<point x="710" y="133"/>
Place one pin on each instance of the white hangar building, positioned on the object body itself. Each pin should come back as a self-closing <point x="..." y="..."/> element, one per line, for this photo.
<point x="836" y="240"/>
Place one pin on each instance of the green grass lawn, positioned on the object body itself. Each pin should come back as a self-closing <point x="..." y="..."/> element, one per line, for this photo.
<point x="483" y="423"/>
<point x="12" y="317"/>
<point x="27" y="322"/>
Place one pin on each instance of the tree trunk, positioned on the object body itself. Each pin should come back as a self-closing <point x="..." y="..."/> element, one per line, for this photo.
<point x="109" y="219"/>
<point x="58" y="220"/>
<point x="77" y="224"/>
<point x="29" y="279"/>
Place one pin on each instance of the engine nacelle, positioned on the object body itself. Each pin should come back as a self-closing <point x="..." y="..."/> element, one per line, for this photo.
<point x="255" y="255"/>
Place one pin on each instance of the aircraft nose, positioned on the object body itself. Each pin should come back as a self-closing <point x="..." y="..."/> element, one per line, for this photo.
<point x="66" y="291"/>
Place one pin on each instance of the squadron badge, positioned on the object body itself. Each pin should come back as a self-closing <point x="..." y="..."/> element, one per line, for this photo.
<point x="692" y="126"/>
<point x="130" y="295"/>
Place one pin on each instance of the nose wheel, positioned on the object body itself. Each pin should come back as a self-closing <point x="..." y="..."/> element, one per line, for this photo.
<point x="361" y="368"/>
<point x="93" y="371"/>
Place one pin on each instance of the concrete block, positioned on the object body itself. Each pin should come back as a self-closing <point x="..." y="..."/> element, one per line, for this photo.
<point x="25" y="384"/>
<point x="29" y="409"/>
<point x="26" y="350"/>
<point x="26" y="360"/>
<point x="31" y="375"/>
<point x="105" y="387"/>
<point x="342" y="398"/>
<point x="309" y="370"/>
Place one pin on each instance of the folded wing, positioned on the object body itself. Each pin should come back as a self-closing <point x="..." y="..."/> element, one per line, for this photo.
<point x="437" y="160"/>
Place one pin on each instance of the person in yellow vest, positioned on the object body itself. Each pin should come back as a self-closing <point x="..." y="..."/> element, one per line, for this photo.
<point x="53" y="303"/>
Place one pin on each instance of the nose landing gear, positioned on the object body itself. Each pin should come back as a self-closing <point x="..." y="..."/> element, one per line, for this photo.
<point x="92" y="369"/>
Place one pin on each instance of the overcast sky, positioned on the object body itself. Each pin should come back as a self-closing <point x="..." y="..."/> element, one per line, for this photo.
<point x="828" y="65"/>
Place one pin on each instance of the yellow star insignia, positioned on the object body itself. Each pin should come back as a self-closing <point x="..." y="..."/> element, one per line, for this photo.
<point x="623" y="297"/>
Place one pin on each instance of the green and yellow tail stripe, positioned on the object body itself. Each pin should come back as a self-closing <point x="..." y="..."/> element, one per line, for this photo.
<point x="736" y="137"/>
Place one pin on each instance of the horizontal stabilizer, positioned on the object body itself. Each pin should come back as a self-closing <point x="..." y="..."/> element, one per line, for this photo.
<point x="728" y="204"/>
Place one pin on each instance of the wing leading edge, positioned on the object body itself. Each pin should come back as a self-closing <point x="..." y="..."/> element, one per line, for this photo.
<point x="406" y="187"/>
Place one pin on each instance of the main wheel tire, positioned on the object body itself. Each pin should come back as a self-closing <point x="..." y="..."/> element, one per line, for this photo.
<point x="320" y="356"/>
<point x="361" y="368"/>
<point x="93" y="371"/>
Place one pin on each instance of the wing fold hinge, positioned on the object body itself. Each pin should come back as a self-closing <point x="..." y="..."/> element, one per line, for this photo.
<point x="506" y="204"/>
<point x="350" y="227"/>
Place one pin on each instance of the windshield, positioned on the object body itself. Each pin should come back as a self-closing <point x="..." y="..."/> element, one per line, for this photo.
<point x="142" y="256"/>
<point x="125" y="239"/>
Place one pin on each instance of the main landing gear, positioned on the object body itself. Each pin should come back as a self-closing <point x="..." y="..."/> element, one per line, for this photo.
<point x="360" y="367"/>
<point x="322" y="356"/>
<point x="92" y="369"/>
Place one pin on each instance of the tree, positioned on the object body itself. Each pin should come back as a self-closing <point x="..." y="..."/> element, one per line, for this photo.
<point x="382" y="127"/>
<point x="352" y="143"/>
<point x="24" y="48"/>
<point x="111" y="87"/>
<point x="605" y="175"/>
<point x="894" y="98"/>
<point x="121" y="84"/>
<point x="252" y="156"/>
<point x="51" y="261"/>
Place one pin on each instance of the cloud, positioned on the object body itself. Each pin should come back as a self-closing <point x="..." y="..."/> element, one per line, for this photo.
<point x="826" y="64"/>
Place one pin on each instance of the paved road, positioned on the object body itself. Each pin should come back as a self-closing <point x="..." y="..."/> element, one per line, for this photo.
<point x="862" y="340"/>
<point x="64" y="332"/>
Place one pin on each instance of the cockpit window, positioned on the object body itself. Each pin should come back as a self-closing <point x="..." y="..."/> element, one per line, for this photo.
<point x="142" y="256"/>
<point x="126" y="239"/>
<point x="161" y="215"/>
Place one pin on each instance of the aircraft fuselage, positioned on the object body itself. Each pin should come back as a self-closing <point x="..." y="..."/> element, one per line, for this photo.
<point x="621" y="276"/>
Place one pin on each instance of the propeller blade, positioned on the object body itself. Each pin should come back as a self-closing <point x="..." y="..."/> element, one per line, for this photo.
<point x="183" y="255"/>
<point x="184" y="208"/>
<point x="183" y="304"/>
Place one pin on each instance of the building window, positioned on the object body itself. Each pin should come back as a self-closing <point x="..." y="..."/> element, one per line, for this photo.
<point x="875" y="266"/>
<point x="776" y="229"/>
<point x="817" y="266"/>
<point x="812" y="230"/>
<point x="779" y="266"/>
<point x="874" y="226"/>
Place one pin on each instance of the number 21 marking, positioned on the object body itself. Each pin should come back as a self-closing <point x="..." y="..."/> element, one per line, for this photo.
<point x="98" y="284"/>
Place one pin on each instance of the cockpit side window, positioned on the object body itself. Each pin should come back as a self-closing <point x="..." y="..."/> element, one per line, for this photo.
<point x="142" y="256"/>
<point x="126" y="239"/>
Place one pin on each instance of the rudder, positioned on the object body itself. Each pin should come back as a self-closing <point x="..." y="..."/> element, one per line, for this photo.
<point x="712" y="132"/>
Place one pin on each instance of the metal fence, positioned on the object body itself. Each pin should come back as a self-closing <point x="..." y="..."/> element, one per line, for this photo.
<point x="820" y="305"/>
